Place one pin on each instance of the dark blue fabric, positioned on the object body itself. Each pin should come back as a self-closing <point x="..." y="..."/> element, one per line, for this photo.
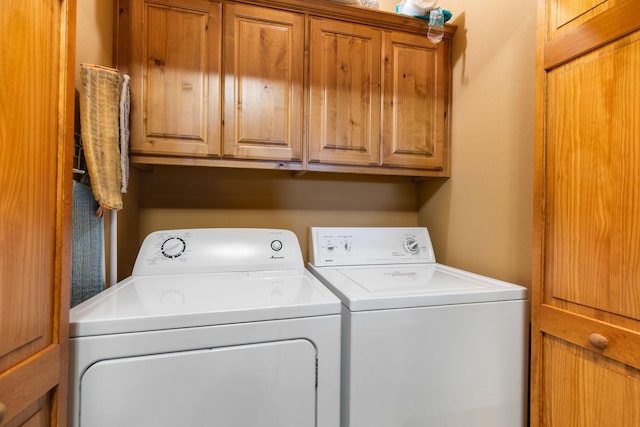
<point x="87" y="248"/>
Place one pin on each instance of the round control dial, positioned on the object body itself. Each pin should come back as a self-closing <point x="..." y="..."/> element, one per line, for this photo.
<point x="173" y="247"/>
<point x="412" y="246"/>
<point x="276" y="245"/>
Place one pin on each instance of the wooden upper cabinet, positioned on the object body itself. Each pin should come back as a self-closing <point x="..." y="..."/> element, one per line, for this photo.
<point x="377" y="98"/>
<point x="263" y="69"/>
<point x="344" y="76"/>
<point x="415" y="102"/>
<point x="175" y="65"/>
<point x="299" y="85"/>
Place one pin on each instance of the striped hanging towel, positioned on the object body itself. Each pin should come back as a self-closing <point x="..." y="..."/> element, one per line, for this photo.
<point x="125" y="108"/>
<point x="99" y="122"/>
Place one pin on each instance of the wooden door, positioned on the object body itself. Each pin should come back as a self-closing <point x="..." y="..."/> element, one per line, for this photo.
<point x="263" y="69"/>
<point x="415" y="102"/>
<point x="344" y="93"/>
<point x="175" y="79"/>
<point x="36" y="133"/>
<point x="586" y="296"/>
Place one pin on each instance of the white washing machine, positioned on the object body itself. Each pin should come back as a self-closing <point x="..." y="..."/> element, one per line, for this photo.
<point x="423" y="344"/>
<point x="215" y="327"/>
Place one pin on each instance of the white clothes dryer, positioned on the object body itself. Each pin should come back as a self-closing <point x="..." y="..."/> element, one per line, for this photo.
<point x="216" y="327"/>
<point x="423" y="344"/>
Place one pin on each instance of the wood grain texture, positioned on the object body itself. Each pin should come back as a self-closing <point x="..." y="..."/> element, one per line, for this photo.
<point x="36" y="112"/>
<point x="28" y="381"/>
<point x="587" y="216"/>
<point x="565" y="15"/>
<point x="27" y="207"/>
<point x="415" y="101"/>
<point x="280" y="91"/>
<point x="616" y="21"/>
<point x="36" y="415"/>
<point x="345" y="91"/>
<point x="622" y="344"/>
<point x="175" y="103"/>
<point x="263" y="69"/>
<point x="174" y="66"/>
<point x="353" y="13"/>
<point x="585" y="389"/>
<point x="593" y="161"/>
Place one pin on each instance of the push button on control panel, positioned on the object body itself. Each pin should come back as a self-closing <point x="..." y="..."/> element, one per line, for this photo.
<point x="276" y="245"/>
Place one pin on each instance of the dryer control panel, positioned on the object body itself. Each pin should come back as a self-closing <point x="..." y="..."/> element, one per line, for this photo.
<point x="370" y="245"/>
<point x="218" y="250"/>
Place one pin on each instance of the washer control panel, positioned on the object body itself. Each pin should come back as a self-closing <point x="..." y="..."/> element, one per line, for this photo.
<point x="216" y="250"/>
<point x="370" y="245"/>
<point x="412" y="246"/>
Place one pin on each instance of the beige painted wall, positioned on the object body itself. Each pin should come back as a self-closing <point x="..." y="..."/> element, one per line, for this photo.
<point x="178" y="197"/>
<point x="94" y="33"/>
<point x="480" y="219"/>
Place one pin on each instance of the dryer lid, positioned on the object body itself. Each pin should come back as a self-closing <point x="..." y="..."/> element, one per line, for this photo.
<point x="403" y="286"/>
<point x="146" y="303"/>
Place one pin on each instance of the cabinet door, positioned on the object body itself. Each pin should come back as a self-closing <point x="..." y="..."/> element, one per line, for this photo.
<point x="344" y="77"/>
<point x="586" y="300"/>
<point x="415" y="102"/>
<point x="263" y="69"/>
<point x="36" y="130"/>
<point x="175" y="78"/>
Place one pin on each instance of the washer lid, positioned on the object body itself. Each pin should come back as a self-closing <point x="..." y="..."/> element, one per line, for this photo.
<point x="180" y="301"/>
<point x="403" y="286"/>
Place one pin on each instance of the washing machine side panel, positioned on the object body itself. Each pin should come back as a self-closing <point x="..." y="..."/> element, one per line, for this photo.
<point x="266" y="385"/>
<point x="345" y="365"/>
<point x="323" y="332"/>
<point x="453" y="366"/>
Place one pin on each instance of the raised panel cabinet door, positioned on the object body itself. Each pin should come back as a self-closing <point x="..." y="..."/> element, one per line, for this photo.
<point x="415" y="101"/>
<point x="593" y="191"/>
<point x="586" y="389"/>
<point x="36" y="133"/>
<point x="585" y="361"/>
<point x="175" y="78"/>
<point x="564" y="15"/>
<point x="344" y="78"/>
<point x="263" y="69"/>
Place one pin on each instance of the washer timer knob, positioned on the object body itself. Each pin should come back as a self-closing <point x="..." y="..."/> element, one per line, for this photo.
<point x="173" y="247"/>
<point x="412" y="246"/>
